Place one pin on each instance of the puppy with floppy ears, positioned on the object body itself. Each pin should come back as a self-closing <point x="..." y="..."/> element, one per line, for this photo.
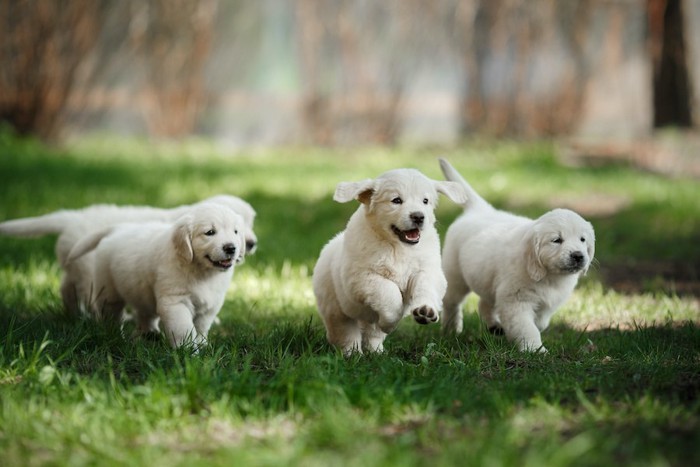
<point x="521" y="269"/>
<point x="175" y="273"/>
<point x="386" y="264"/>
<point x="71" y="225"/>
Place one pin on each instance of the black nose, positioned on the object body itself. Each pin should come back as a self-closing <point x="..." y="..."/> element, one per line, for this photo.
<point x="417" y="218"/>
<point x="577" y="257"/>
<point x="229" y="248"/>
<point x="250" y="245"/>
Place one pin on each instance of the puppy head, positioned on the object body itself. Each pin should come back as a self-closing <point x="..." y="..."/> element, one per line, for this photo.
<point x="246" y="211"/>
<point x="562" y="242"/>
<point x="400" y="203"/>
<point x="211" y="236"/>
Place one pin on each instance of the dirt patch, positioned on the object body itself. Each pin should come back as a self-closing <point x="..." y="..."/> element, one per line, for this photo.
<point x="672" y="154"/>
<point x="676" y="278"/>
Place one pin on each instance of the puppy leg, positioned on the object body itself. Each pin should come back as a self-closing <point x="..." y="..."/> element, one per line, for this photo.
<point x="69" y="295"/>
<point x="519" y="325"/>
<point x="344" y="333"/>
<point x="385" y="299"/>
<point x="178" y="326"/>
<point x="202" y="323"/>
<point x="426" y="292"/>
<point x="146" y="323"/>
<point x="372" y="338"/>
<point x="452" y="317"/>
<point x="489" y="316"/>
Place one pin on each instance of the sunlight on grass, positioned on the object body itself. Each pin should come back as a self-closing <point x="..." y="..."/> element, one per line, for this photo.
<point x="286" y="289"/>
<point x="619" y="384"/>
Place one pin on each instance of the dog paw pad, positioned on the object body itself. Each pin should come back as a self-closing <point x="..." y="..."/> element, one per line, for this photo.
<point x="425" y="315"/>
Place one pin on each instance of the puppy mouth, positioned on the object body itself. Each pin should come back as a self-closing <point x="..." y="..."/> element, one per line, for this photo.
<point x="223" y="264"/>
<point x="572" y="268"/>
<point x="410" y="237"/>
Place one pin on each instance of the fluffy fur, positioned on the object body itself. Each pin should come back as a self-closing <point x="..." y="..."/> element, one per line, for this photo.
<point x="521" y="269"/>
<point x="177" y="273"/>
<point x="77" y="289"/>
<point x="386" y="264"/>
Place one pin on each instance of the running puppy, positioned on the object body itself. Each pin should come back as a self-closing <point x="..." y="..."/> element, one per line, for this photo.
<point x="522" y="269"/>
<point x="386" y="264"/>
<point x="77" y="289"/>
<point x="177" y="273"/>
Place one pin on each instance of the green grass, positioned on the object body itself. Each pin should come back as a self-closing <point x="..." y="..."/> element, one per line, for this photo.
<point x="619" y="386"/>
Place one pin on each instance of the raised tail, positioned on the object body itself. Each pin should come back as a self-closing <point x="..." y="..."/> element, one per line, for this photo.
<point x="87" y="243"/>
<point x="473" y="198"/>
<point x="52" y="223"/>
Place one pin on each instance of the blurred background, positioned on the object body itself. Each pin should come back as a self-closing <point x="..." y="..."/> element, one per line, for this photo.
<point x="353" y="71"/>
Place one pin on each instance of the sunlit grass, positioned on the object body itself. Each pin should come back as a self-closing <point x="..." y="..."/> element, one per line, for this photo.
<point x="619" y="385"/>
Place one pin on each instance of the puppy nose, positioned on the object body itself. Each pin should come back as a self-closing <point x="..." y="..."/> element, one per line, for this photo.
<point x="417" y="218"/>
<point x="229" y="248"/>
<point x="250" y="245"/>
<point x="577" y="257"/>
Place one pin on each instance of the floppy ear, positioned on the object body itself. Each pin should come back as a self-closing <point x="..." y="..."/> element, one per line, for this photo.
<point x="182" y="239"/>
<point x="240" y="258"/>
<point x="453" y="190"/>
<point x="590" y="246"/>
<point x="533" y="264"/>
<point x="361" y="191"/>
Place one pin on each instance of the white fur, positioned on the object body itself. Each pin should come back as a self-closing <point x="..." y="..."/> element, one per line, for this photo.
<point x="77" y="289"/>
<point x="177" y="273"/>
<point x="522" y="269"/>
<point x="366" y="278"/>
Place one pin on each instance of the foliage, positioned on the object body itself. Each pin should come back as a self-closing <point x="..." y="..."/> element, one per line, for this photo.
<point x="620" y="383"/>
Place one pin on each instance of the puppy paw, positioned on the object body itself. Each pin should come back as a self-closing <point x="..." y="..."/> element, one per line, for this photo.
<point x="425" y="315"/>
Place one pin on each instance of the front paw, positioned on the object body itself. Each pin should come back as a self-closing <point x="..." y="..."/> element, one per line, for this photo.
<point x="425" y="315"/>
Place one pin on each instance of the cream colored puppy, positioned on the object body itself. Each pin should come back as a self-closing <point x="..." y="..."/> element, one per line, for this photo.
<point x="77" y="289"/>
<point x="176" y="272"/>
<point x="521" y="269"/>
<point x="386" y="264"/>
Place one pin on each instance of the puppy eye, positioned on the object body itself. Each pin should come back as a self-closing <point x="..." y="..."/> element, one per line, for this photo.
<point x="558" y="240"/>
<point x="236" y="232"/>
<point x="210" y="232"/>
<point x="425" y="200"/>
<point x="397" y="200"/>
<point x="583" y="239"/>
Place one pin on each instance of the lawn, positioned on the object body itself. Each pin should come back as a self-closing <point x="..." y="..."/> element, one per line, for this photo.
<point x="619" y="386"/>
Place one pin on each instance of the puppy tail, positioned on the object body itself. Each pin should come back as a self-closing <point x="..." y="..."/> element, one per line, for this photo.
<point x="473" y="198"/>
<point x="87" y="244"/>
<point x="52" y="223"/>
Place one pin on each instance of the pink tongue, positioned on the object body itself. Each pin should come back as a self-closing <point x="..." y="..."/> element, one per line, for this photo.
<point x="412" y="235"/>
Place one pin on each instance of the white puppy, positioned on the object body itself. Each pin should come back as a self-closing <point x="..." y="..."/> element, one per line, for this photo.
<point x="178" y="273"/>
<point x="386" y="264"/>
<point x="77" y="289"/>
<point x="522" y="269"/>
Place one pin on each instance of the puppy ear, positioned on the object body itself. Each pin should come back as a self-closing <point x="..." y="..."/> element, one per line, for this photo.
<point x="240" y="258"/>
<point x="182" y="238"/>
<point x="590" y="246"/>
<point x="361" y="191"/>
<point x="453" y="190"/>
<point x="533" y="264"/>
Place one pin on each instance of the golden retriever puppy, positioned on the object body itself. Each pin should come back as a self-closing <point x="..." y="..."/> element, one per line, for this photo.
<point x="386" y="264"/>
<point x="77" y="289"/>
<point x="177" y="273"/>
<point x="521" y="269"/>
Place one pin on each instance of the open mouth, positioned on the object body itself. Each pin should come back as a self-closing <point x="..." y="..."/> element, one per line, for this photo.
<point x="407" y="236"/>
<point x="572" y="269"/>
<point x="222" y="264"/>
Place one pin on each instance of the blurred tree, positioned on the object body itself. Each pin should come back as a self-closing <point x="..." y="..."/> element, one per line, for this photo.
<point x="43" y="45"/>
<point x="671" y="83"/>
<point x="174" y="40"/>
<point x="53" y="54"/>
